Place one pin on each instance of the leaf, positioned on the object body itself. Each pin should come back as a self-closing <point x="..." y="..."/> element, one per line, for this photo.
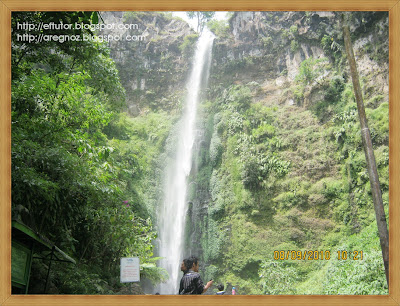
<point x="95" y="18"/>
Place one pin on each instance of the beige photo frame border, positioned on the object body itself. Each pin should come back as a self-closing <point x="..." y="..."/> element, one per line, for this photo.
<point x="8" y="6"/>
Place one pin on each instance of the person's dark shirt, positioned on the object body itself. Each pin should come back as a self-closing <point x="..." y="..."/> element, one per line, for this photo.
<point x="191" y="283"/>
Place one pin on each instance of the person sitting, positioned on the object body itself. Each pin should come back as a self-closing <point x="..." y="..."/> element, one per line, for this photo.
<point x="221" y="289"/>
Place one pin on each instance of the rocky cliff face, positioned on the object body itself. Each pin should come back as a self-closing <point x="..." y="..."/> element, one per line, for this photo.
<point x="291" y="64"/>
<point x="263" y="47"/>
<point x="153" y="61"/>
<point x="271" y="167"/>
<point x="268" y="47"/>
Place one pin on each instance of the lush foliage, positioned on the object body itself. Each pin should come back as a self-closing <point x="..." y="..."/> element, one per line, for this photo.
<point x="277" y="168"/>
<point x="201" y="17"/>
<point x="219" y="27"/>
<point x="285" y="178"/>
<point x="276" y="278"/>
<point x="77" y="173"/>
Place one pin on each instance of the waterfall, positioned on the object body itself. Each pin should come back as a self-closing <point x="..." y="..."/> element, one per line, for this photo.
<point x="172" y="217"/>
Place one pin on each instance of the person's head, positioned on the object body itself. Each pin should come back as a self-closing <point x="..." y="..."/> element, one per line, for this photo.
<point x="195" y="263"/>
<point x="183" y="266"/>
<point x="220" y="287"/>
<point x="186" y="264"/>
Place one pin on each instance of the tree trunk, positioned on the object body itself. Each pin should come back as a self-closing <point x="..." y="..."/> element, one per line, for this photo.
<point x="369" y="153"/>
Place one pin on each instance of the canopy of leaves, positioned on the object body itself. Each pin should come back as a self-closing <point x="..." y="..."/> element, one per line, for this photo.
<point x="201" y="17"/>
<point x="71" y="181"/>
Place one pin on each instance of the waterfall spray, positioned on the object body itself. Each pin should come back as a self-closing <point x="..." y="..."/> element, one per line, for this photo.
<point x="172" y="218"/>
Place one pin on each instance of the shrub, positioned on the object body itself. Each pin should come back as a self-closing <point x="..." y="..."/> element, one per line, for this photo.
<point x="238" y="97"/>
<point x="335" y="89"/>
<point x="264" y="131"/>
<point x="306" y="71"/>
<point x="294" y="45"/>
<point x="219" y="27"/>
<point x="216" y="149"/>
<point x="277" y="277"/>
<point x="212" y="242"/>
<point x="189" y="42"/>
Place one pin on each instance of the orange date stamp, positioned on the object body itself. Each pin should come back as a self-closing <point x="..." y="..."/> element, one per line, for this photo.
<point x="317" y="255"/>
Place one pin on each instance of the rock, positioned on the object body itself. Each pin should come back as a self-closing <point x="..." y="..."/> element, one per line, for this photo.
<point x="276" y="43"/>
<point x="155" y="63"/>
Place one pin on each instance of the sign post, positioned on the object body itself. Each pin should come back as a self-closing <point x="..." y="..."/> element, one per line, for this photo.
<point x="130" y="270"/>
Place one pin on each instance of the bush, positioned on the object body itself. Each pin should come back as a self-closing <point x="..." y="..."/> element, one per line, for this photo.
<point x="213" y="241"/>
<point x="329" y="188"/>
<point x="263" y="131"/>
<point x="294" y="45"/>
<point x="306" y="71"/>
<point x="216" y="149"/>
<point x="360" y="277"/>
<point x="219" y="27"/>
<point x="212" y="272"/>
<point x="237" y="97"/>
<point x="277" y="278"/>
<point x="188" y="45"/>
<point x="335" y="89"/>
<point x="378" y="120"/>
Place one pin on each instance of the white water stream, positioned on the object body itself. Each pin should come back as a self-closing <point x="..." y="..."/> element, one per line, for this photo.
<point x="172" y="218"/>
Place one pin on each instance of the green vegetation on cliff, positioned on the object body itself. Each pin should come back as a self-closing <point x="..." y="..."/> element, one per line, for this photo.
<point x="287" y="172"/>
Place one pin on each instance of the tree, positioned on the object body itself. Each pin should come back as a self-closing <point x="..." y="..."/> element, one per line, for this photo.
<point x="202" y="18"/>
<point x="70" y="181"/>
<point x="369" y="153"/>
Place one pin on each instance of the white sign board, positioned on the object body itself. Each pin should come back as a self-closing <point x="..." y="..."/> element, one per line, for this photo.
<point x="130" y="270"/>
